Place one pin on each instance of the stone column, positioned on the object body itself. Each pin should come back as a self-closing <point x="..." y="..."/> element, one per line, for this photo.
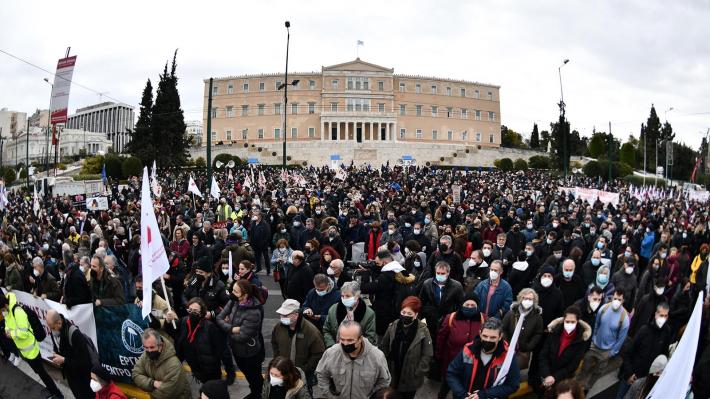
<point x="347" y="129"/>
<point x="337" y="129"/>
<point x="322" y="130"/>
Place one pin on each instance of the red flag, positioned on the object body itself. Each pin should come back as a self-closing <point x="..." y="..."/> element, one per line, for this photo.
<point x="695" y="170"/>
<point x="54" y="134"/>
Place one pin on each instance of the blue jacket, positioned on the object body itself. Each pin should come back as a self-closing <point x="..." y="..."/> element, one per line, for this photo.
<point x="610" y="329"/>
<point x="321" y="304"/>
<point x="500" y="301"/>
<point x="462" y="372"/>
<point x="647" y="244"/>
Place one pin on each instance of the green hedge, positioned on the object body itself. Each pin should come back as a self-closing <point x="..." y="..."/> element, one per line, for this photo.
<point x="539" y="162"/>
<point x="601" y="169"/>
<point x="504" y="164"/>
<point x="87" y="177"/>
<point x="520" y="164"/>
<point x="650" y="181"/>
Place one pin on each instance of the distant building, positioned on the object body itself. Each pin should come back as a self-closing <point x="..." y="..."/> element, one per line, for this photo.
<point x="194" y="130"/>
<point x="39" y="119"/>
<point x="12" y="123"/>
<point x="113" y="119"/>
<point x="71" y="143"/>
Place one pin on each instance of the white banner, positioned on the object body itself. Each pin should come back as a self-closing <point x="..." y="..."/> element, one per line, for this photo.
<point x="60" y="89"/>
<point x="701" y="196"/>
<point x="81" y="316"/>
<point x="359" y="252"/>
<point x="96" y="203"/>
<point x="456" y="193"/>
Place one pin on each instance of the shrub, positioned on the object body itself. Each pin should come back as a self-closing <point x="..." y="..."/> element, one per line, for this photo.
<point x="200" y="162"/>
<point x="61" y="166"/>
<point x="520" y="164"/>
<point x="224" y="158"/>
<point x="132" y="166"/>
<point x="9" y="175"/>
<point x="504" y="164"/>
<point x="92" y="165"/>
<point x="539" y="162"/>
<point x="592" y="169"/>
<point x="113" y="166"/>
<point x="650" y="181"/>
<point x="87" y="177"/>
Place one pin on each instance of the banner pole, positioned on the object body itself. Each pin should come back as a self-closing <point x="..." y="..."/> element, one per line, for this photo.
<point x="167" y="299"/>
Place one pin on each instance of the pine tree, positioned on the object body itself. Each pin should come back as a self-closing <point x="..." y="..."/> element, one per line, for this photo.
<point x="535" y="138"/>
<point x="142" y="140"/>
<point x="650" y="134"/>
<point x="169" y="121"/>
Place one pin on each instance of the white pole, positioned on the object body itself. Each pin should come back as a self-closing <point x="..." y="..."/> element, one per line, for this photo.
<point x="167" y="299"/>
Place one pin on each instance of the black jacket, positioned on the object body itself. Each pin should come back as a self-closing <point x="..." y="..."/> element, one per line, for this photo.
<point x="76" y="289"/>
<point x="563" y="366"/>
<point x="109" y="290"/>
<point x="204" y="353"/>
<point x="433" y="310"/>
<point x="260" y="235"/>
<point x="550" y="302"/>
<point x="645" y="311"/>
<point x="572" y="290"/>
<point x="298" y="282"/>
<point x="454" y="261"/>
<point x="77" y="362"/>
<point x="649" y="342"/>
<point x="213" y="292"/>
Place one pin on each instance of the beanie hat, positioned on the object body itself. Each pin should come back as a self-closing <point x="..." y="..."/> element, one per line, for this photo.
<point x="548" y="269"/>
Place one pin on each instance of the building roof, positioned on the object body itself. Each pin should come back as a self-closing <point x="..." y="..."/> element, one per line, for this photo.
<point x="357" y="65"/>
<point x="106" y="104"/>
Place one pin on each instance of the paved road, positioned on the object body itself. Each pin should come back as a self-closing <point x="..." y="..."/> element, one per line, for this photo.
<point x="23" y="383"/>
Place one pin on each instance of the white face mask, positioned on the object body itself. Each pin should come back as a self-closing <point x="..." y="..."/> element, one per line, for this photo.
<point x="527" y="303"/>
<point x="35" y="272"/>
<point x="486" y="252"/>
<point x="546" y="282"/>
<point x="275" y="381"/>
<point x="629" y="270"/>
<point x="569" y="327"/>
<point x="330" y="271"/>
<point x="616" y="304"/>
<point x="95" y="386"/>
<point x="494" y="275"/>
<point x="661" y="321"/>
<point x="659" y="291"/>
<point x="82" y="269"/>
<point x="594" y="305"/>
<point x="225" y="271"/>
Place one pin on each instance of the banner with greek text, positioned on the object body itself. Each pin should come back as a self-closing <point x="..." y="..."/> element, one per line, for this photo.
<point x="60" y="90"/>
<point x="120" y="345"/>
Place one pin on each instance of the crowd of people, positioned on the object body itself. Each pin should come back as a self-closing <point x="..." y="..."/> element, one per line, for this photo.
<point x="387" y="276"/>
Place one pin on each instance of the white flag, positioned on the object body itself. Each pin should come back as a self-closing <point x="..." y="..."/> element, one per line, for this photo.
<point x="35" y="201"/>
<point x="675" y="380"/>
<point x="511" y="352"/>
<point x="155" y="186"/>
<point x="192" y="187"/>
<point x="231" y="272"/>
<point x="3" y="195"/>
<point x="154" y="261"/>
<point x="214" y="190"/>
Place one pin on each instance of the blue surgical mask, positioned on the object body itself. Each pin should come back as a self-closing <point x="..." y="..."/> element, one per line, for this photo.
<point x="567" y="275"/>
<point x="603" y="278"/>
<point x="427" y="220"/>
<point x="529" y="253"/>
<point x="321" y="293"/>
<point x="348" y="302"/>
<point x="596" y="262"/>
<point x="600" y="245"/>
<point x="627" y="254"/>
<point x="441" y="278"/>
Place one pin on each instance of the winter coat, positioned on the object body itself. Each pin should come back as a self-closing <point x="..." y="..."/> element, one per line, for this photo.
<point x="182" y="248"/>
<point x="645" y="311"/>
<point x="260" y="235"/>
<point x="340" y="376"/>
<point x="363" y="314"/>
<point x="416" y="360"/>
<point x="455" y="331"/>
<point x="531" y="331"/>
<point x="47" y="285"/>
<point x="572" y="290"/>
<point x="213" y="292"/>
<point x="383" y="294"/>
<point x="500" y="301"/>
<point x="75" y="288"/>
<point x="321" y="304"/>
<point x="306" y="340"/>
<point x="248" y="316"/>
<point x="204" y="353"/>
<point x="649" y="342"/>
<point x="563" y="366"/>
<point x="551" y="302"/>
<point x="300" y="391"/>
<point x="434" y="310"/>
<point x="299" y="281"/>
<point x="454" y="261"/>
<point x="167" y="369"/>
<point x="465" y="366"/>
<point x="77" y="362"/>
<point x="13" y="277"/>
<point x="239" y="252"/>
<point x="109" y="290"/>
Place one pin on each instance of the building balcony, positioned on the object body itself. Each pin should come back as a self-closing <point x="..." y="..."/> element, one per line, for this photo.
<point x="358" y="114"/>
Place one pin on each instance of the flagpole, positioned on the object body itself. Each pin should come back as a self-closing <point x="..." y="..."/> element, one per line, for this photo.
<point x="167" y="298"/>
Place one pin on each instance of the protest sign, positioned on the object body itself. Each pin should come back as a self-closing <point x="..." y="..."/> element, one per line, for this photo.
<point x="120" y="344"/>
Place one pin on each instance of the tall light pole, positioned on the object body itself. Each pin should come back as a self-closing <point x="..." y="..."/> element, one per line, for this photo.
<point x="285" y="86"/>
<point x="562" y="124"/>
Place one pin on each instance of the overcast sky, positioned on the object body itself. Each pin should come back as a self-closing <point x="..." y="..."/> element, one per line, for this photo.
<point x="624" y="55"/>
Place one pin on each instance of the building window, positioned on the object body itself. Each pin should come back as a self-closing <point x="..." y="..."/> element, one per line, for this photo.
<point x="260" y="110"/>
<point x="434" y="135"/>
<point x="311" y="132"/>
<point x="418" y="88"/>
<point x="463" y="92"/>
<point x="214" y="136"/>
<point x="402" y="109"/>
<point x="230" y="89"/>
<point x="464" y="113"/>
<point x="402" y="133"/>
<point x="419" y="134"/>
<point x="311" y="108"/>
<point x="381" y="107"/>
<point x="419" y="110"/>
<point x="450" y="135"/>
<point x="262" y="86"/>
<point x="449" y="112"/>
<point x="230" y="111"/>
<point x="351" y="84"/>
<point x="245" y="110"/>
<point x="478" y="136"/>
<point x="245" y="134"/>
<point x="476" y="94"/>
<point x="401" y="87"/>
<point x="448" y="91"/>
<point x="334" y="107"/>
<point x="277" y="84"/>
<point x="215" y="90"/>
<point x="228" y="135"/>
<point x="380" y="86"/>
<point x="294" y="132"/>
<point x="464" y="135"/>
<point x="277" y="133"/>
<point x="245" y="87"/>
<point x="433" y="89"/>
<point x="491" y="116"/>
<point x="478" y="114"/>
<point x="261" y="133"/>
<point x="335" y="84"/>
<point x="312" y="84"/>
<point x="434" y="111"/>
<point x="214" y="112"/>
<point x="490" y="138"/>
<point x="490" y="95"/>
<point x="277" y="108"/>
<point x="294" y="108"/>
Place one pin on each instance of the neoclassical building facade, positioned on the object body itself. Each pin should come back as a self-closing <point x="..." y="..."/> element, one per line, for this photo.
<point x="353" y="102"/>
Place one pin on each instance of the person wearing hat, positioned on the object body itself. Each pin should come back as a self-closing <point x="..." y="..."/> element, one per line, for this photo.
<point x="354" y="233"/>
<point x="102" y="384"/>
<point x="297" y="338"/>
<point x="550" y="297"/>
<point x="642" y="386"/>
<point x="215" y="389"/>
<point x="238" y="249"/>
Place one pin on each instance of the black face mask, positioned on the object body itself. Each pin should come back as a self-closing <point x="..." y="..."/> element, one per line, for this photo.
<point x="488" y="346"/>
<point x="94" y="275"/>
<point x="199" y="279"/>
<point x="155" y="355"/>
<point x="139" y="294"/>
<point x="406" y="320"/>
<point x="349" y="348"/>
<point x="443" y="247"/>
<point x="194" y="318"/>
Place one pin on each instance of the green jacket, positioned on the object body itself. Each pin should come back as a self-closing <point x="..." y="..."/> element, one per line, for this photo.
<point x="13" y="278"/>
<point x="336" y="314"/>
<point x="416" y="361"/>
<point x="167" y="369"/>
<point x="309" y="344"/>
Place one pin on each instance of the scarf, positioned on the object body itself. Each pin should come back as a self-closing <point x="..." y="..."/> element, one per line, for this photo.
<point x="694" y="267"/>
<point x="373" y="244"/>
<point x="565" y="340"/>
<point x="190" y="332"/>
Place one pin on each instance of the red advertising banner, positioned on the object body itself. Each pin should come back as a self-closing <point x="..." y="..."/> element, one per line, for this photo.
<point x="60" y="89"/>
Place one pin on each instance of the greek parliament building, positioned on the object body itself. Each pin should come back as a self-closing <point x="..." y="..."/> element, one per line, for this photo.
<point x="112" y="119"/>
<point x="355" y="111"/>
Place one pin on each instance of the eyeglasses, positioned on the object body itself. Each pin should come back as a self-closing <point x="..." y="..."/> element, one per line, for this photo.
<point x="193" y="312"/>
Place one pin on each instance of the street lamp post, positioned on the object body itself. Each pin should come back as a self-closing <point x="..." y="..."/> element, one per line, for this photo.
<point x="285" y="86"/>
<point x="562" y="124"/>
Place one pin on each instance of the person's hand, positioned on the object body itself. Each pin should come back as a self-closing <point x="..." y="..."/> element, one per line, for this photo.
<point x="7" y="334"/>
<point x="632" y="379"/>
<point x="308" y="312"/>
<point x="57" y="359"/>
<point x="98" y="302"/>
<point x="157" y="384"/>
<point x="32" y="280"/>
<point x="43" y="296"/>
<point x="170" y="316"/>
<point x="548" y="381"/>
<point x="235" y="330"/>
<point x="473" y="396"/>
<point x="166" y="276"/>
<point x="208" y="315"/>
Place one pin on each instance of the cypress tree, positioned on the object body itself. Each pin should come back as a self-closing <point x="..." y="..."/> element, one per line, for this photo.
<point x="171" y="144"/>
<point x="142" y="140"/>
<point x="535" y="138"/>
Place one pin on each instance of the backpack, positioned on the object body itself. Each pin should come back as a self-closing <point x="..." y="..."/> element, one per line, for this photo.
<point x="35" y="325"/>
<point x="621" y="319"/>
<point x="93" y="353"/>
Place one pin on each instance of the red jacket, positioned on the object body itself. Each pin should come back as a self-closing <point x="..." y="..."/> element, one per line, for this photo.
<point x="182" y="248"/>
<point x="491" y="234"/>
<point x="454" y="333"/>
<point x="111" y="391"/>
